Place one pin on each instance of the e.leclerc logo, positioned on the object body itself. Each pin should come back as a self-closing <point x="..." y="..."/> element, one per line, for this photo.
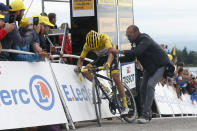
<point x="41" y="92"/>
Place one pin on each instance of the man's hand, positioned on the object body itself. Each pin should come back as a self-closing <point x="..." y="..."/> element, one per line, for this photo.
<point x="36" y="47"/>
<point x="44" y="54"/>
<point x="61" y="53"/>
<point x="106" y="66"/>
<point x="37" y="28"/>
<point x="53" y="49"/>
<point x="77" y="69"/>
<point x="9" y="27"/>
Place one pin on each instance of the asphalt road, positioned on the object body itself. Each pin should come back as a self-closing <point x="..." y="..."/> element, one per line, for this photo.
<point x="163" y="124"/>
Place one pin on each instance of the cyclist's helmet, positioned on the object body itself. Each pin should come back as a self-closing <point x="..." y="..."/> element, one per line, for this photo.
<point x="92" y="39"/>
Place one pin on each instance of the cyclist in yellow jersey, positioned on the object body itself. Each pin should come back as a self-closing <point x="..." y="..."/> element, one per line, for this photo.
<point x="102" y="45"/>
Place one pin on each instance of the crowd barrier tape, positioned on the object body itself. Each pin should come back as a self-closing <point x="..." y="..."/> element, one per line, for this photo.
<point x="78" y="94"/>
<point x="28" y="96"/>
<point x="168" y="103"/>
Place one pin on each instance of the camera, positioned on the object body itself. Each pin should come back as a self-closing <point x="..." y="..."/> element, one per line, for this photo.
<point x="35" y="20"/>
<point x="10" y="18"/>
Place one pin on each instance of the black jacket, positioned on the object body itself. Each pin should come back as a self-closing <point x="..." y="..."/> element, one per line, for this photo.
<point x="149" y="53"/>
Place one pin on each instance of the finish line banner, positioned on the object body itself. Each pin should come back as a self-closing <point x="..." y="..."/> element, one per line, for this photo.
<point x="28" y="96"/>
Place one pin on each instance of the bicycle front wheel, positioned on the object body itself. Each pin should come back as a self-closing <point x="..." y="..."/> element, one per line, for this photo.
<point x="96" y="102"/>
<point x="131" y="116"/>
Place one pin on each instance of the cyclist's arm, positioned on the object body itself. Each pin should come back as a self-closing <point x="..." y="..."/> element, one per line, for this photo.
<point x="110" y="58"/>
<point x="80" y="62"/>
<point x="83" y="55"/>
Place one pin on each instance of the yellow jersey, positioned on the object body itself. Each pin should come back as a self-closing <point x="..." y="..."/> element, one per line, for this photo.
<point x="102" y="49"/>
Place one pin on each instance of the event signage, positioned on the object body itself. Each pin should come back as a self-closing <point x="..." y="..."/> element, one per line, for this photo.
<point x="128" y="74"/>
<point x="78" y="94"/>
<point x="83" y="8"/>
<point x="28" y="96"/>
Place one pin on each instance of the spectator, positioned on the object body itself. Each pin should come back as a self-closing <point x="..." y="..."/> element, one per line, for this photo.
<point x="13" y="38"/>
<point x="153" y="59"/>
<point x="3" y="9"/>
<point x="4" y="28"/>
<point x="180" y="84"/>
<point x="39" y="54"/>
<point x="67" y="46"/>
<point x="52" y="19"/>
<point x="45" y="27"/>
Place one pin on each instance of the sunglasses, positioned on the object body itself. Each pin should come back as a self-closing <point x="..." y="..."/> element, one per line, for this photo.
<point x="129" y="36"/>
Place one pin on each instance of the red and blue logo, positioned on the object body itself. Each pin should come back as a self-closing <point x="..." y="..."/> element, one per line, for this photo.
<point x="41" y="92"/>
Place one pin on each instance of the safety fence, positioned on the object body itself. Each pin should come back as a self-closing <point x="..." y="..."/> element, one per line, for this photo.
<point x="168" y="103"/>
<point x="43" y="93"/>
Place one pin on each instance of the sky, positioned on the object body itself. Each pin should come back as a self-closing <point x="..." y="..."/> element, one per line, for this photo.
<point x="166" y="21"/>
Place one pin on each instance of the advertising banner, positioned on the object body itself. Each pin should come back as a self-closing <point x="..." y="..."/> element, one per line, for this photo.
<point x="161" y="100"/>
<point x="83" y="8"/>
<point x="78" y="94"/>
<point x="168" y="103"/>
<point x="125" y="2"/>
<point x="128" y="74"/>
<point x="28" y="96"/>
<point x="107" y="24"/>
<point x="107" y="2"/>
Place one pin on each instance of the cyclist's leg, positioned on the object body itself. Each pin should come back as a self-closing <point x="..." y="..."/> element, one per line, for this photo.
<point x="116" y="78"/>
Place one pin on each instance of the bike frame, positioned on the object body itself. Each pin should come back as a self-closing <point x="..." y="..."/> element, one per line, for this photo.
<point x="114" y="89"/>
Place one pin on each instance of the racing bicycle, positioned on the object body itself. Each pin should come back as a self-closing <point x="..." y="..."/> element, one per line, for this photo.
<point x="114" y="99"/>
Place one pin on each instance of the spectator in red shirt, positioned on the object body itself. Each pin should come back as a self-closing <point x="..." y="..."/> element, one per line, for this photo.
<point x="67" y="46"/>
<point x="4" y="29"/>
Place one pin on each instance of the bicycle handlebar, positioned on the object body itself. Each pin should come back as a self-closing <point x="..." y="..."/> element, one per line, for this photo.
<point x="93" y="69"/>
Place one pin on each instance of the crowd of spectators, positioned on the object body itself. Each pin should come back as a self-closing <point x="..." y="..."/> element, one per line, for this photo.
<point x="29" y="34"/>
<point x="183" y="81"/>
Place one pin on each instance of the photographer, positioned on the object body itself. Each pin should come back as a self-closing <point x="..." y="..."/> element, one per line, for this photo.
<point x="13" y="38"/>
<point x="34" y="46"/>
<point x="4" y="28"/>
<point x="153" y="59"/>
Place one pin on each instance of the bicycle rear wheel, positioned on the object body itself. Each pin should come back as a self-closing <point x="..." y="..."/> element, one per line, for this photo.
<point x="131" y="116"/>
<point x="97" y="102"/>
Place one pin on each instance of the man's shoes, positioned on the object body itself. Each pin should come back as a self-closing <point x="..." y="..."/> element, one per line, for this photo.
<point x="125" y="111"/>
<point x="143" y="120"/>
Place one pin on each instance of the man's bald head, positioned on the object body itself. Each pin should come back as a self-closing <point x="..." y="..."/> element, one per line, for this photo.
<point x="133" y="28"/>
<point x="132" y="32"/>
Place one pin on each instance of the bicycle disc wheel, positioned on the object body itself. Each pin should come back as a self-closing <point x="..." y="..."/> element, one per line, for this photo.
<point x="131" y="116"/>
<point x="97" y="102"/>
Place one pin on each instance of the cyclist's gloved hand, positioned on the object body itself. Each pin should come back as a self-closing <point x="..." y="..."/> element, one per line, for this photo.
<point x="77" y="69"/>
<point x="106" y="66"/>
